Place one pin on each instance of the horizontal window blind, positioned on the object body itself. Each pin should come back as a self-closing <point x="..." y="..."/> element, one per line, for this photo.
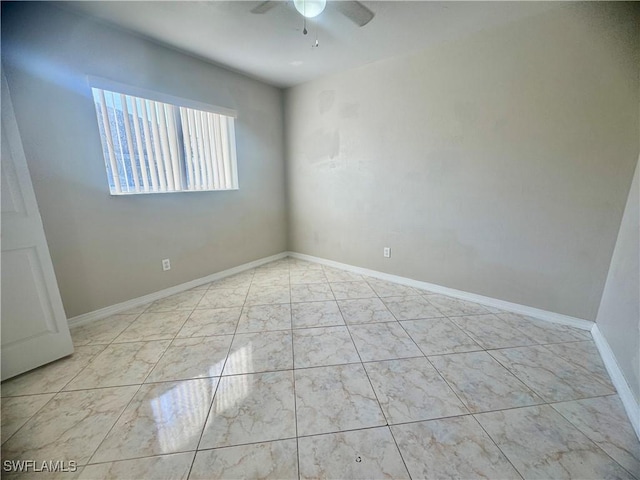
<point x="153" y="147"/>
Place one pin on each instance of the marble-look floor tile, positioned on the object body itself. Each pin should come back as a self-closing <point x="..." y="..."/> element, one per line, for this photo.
<point x="383" y="341"/>
<point x="17" y="410"/>
<point x="411" y="389"/>
<point x="260" y="352"/>
<point x="360" y="454"/>
<point x="47" y="413"/>
<point x="272" y="269"/>
<point x="299" y="264"/>
<point x="180" y="301"/>
<point x="311" y="292"/>
<point x="411" y="308"/>
<point x="315" y="347"/>
<point x="102" y="331"/>
<point x="251" y="408"/>
<point x="451" y="448"/>
<point x="266" y="269"/>
<point x="551" y="377"/>
<point x="188" y="358"/>
<point x="120" y="364"/>
<point x="70" y="426"/>
<point x="307" y="276"/>
<point x="316" y="314"/>
<point x="540" y="443"/>
<point x="365" y="310"/>
<point x="224" y="297"/>
<point x="262" y="318"/>
<point x="162" y="418"/>
<point x="347" y="290"/>
<point x="390" y="289"/>
<point x="268" y="294"/>
<point x="331" y="399"/>
<point x="605" y="422"/>
<point x="66" y="474"/>
<point x="584" y="354"/>
<point x="154" y="326"/>
<point x="482" y="383"/>
<point x="270" y="278"/>
<point x="489" y="331"/>
<point x="162" y="467"/>
<point x="53" y="377"/>
<point x="337" y="275"/>
<point x="240" y="280"/>
<point x="453" y="307"/>
<point x="137" y="310"/>
<point x="276" y="460"/>
<point x="211" y="321"/>
<point x="281" y="263"/>
<point x="437" y="336"/>
<point x="545" y="332"/>
<point x="494" y="310"/>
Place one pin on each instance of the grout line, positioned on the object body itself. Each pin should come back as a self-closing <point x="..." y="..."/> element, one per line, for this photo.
<point x="224" y="365"/>
<point x="114" y="423"/>
<point x="404" y="462"/>
<point x="139" y="386"/>
<point x="53" y="396"/>
<point x="543" y="397"/>
<point x="293" y="375"/>
<point x="462" y="402"/>
<point x="497" y="446"/>
<point x="363" y="367"/>
<point x="294" y="369"/>
<point x="580" y="369"/>
<point x="223" y="447"/>
<point x="549" y="404"/>
<point x="166" y="349"/>
<point x="508" y="371"/>
<point x="590" y="439"/>
<point x="372" y="427"/>
<point x="141" y="457"/>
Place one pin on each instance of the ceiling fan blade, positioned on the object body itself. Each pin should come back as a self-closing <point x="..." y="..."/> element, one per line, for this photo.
<point x="264" y="6"/>
<point x="354" y="11"/>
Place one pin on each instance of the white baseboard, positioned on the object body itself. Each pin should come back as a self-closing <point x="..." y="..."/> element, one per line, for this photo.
<point x="471" y="297"/>
<point x="624" y="391"/>
<point x="631" y="405"/>
<point x="137" y="302"/>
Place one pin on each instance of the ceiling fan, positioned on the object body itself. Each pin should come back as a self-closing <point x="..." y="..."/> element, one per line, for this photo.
<point x="353" y="10"/>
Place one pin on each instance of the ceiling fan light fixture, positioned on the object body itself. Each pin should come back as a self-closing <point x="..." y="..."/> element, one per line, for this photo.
<point x="310" y="8"/>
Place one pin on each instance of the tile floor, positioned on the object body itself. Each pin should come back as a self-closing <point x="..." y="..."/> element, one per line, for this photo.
<point x="296" y="370"/>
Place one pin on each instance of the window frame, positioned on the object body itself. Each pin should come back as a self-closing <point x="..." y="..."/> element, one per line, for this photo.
<point x="177" y="102"/>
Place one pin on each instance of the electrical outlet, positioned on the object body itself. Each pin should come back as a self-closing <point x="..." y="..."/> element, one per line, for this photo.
<point x="166" y="264"/>
<point x="387" y="252"/>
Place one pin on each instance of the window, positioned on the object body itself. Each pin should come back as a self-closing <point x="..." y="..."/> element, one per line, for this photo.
<point x="153" y="146"/>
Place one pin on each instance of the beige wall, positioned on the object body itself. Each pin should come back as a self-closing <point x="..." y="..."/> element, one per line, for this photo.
<point x="619" y="313"/>
<point x="105" y="249"/>
<point x="498" y="164"/>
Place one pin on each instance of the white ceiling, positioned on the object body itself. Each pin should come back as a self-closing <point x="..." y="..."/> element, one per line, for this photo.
<point x="271" y="46"/>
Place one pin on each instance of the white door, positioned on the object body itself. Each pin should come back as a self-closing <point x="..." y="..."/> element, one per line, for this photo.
<point x="34" y="325"/>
